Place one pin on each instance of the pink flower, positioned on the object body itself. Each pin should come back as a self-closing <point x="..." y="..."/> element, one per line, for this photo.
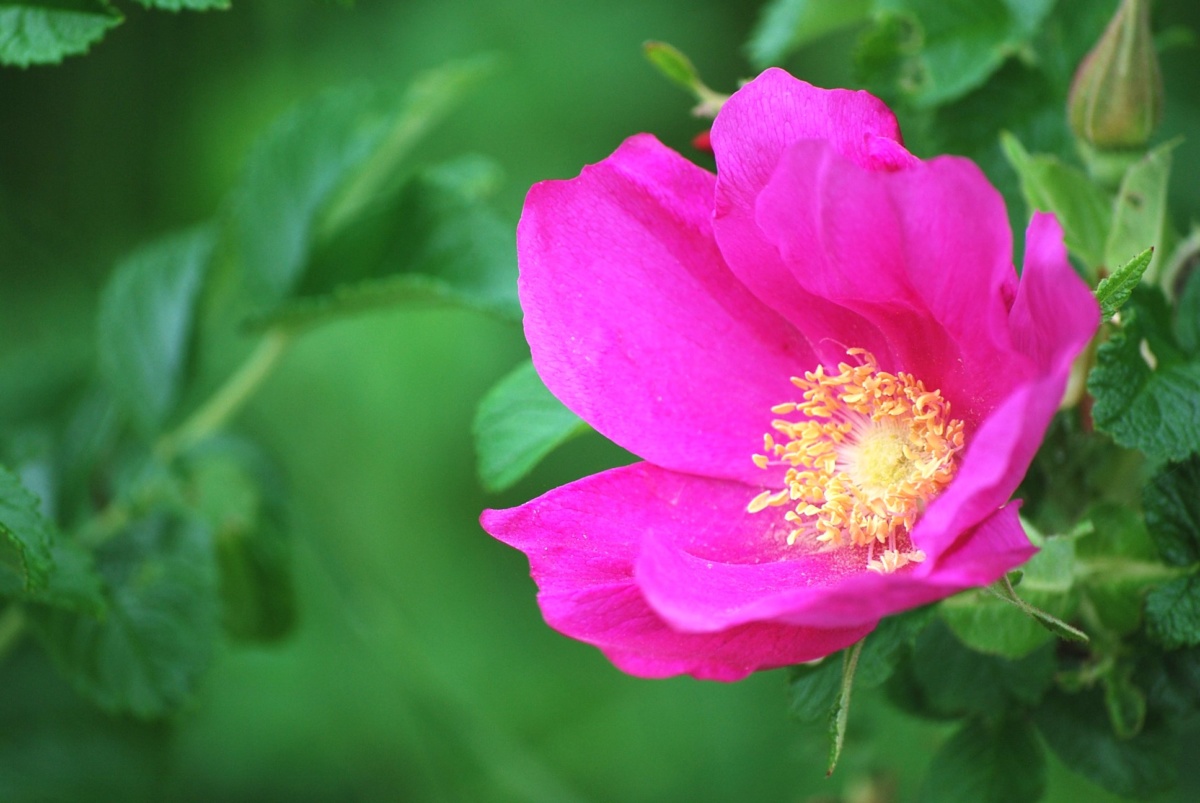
<point x="827" y="363"/>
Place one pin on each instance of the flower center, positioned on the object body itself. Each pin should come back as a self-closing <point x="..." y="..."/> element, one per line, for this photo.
<point x="867" y="452"/>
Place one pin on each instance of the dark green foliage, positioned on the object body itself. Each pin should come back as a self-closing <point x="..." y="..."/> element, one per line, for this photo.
<point x="1147" y="389"/>
<point x="1076" y="728"/>
<point x="26" y="539"/>
<point x="999" y="762"/>
<point x="146" y="654"/>
<point x="1172" y="503"/>
<point x="1173" y="613"/>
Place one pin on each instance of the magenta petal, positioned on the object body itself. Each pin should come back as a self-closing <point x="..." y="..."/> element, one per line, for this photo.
<point x="699" y="595"/>
<point x="582" y="540"/>
<point x="923" y="255"/>
<point x="637" y="325"/>
<point x="1055" y="314"/>
<point x="1052" y="319"/>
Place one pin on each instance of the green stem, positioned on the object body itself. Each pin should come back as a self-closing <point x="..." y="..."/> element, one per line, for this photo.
<point x="229" y="398"/>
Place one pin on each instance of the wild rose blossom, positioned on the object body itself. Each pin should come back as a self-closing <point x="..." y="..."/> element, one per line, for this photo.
<point x="827" y="363"/>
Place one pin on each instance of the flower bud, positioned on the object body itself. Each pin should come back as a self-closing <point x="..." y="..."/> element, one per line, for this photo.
<point x="1116" y="96"/>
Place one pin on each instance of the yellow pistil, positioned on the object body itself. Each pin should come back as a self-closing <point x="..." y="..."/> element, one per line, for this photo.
<point x="868" y="451"/>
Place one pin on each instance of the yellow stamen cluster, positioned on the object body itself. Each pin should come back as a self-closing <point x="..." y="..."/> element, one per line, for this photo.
<point x="868" y="451"/>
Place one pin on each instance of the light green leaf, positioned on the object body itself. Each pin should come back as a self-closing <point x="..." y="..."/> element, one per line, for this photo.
<point x="518" y="423"/>
<point x="958" y="43"/>
<point x="1140" y="211"/>
<point x="988" y="763"/>
<point x="435" y="242"/>
<point x="145" y="324"/>
<point x="147" y="654"/>
<point x="1076" y="728"/>
<point x="1114" y="291"/>
<point x="1081" y="207"/>
<point x="321" y="166"/>
<point x="1119" y="564"/>
<point x="1173" y="613"/>
<point x="26" y="539"/>
<point x="186" y="5"/>
<point x="785" y="26"/>
<point x="1147" y="392"/>
<point x="44" y="31"/>
<point x="996" y="627"/>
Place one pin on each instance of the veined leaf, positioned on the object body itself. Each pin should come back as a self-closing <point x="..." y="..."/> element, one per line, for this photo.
<point x="44" y="31"/>
<point x="988" y="763"/>
<point x="25" y="537"/>
<point x="146" y="655"/>
<point x="145" y="324"/>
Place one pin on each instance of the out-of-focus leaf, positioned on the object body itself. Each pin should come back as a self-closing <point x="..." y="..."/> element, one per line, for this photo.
<point x="25" y="537"/>
<point x="186" y="5"/>
<point x="1125" y="702"/>
<point x="1172" y="504"/>
<point x="56" y="746"/>
<point x="1082" y="208"/>
<point x="241" y="497"/>
<point x="957" y="43"/>
<point x="1140" y="213"/>
<point x="1147" y="391"/>
<point x="321" y="165"/>
<point x="785" y="26"/>
<point x="1172" y="683"/>
<point x="145" y="325"/>
<point x="435" y="242"/>
<point x="44" y="31"/>
<point x="1121" y="566"/>
<point x="1173" y="613"/>
<point x="517" y="424"/>
<point x="988" y="763"/>
<point x="884" y="646"/>
<point x="146" y="655"/>
<point x="955" y="680"/>
<point x="1076" y="728"/>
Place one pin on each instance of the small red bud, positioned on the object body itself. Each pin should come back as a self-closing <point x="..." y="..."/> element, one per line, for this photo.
<point x="703" y="142"/>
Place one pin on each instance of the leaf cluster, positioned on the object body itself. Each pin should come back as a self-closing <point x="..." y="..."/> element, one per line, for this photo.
<point x="136" y="534"/>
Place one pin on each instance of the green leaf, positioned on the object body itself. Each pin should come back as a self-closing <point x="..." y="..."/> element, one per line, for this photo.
<point x="186" y="5"/>
<point x="241" y="497"/>
<point x="957" y="44"/>
<point x="26" y="540"/>
<point x="1187" y="317"/>
<point x="785" y="26"/>
<point x="1147" y="392"/>
<point x="320" y="166"/>
<point x="1081" y="207"/>
<point x="1172" y="684"/>
<point x="44" y="31"/>
<point x="994" y="626"/>
<point x="986" y="763"/>
<point x="1114" y="291"/>
<point x="1119" y="566"/>
<point x="673" y="64"/>
<point x="1125" y="702"/>
<point x="839" y="717"/>
<point x="1140" y="212"/>
<point x="517" y="424"/>
<point x="1173" y="613"/>
<point x="955" y="680"/>
<point x="813" y="688"/>
<point x="148" y="653"/>
<point x="144" y="329"/>
<point x="1076" y="728"/>
<point x="1172" y="503"/>
<point x="435" y="242"/>
<point x="888" y="643"/>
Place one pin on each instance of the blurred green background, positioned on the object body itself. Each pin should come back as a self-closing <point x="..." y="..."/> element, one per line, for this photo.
<point x="421" y="668"/>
